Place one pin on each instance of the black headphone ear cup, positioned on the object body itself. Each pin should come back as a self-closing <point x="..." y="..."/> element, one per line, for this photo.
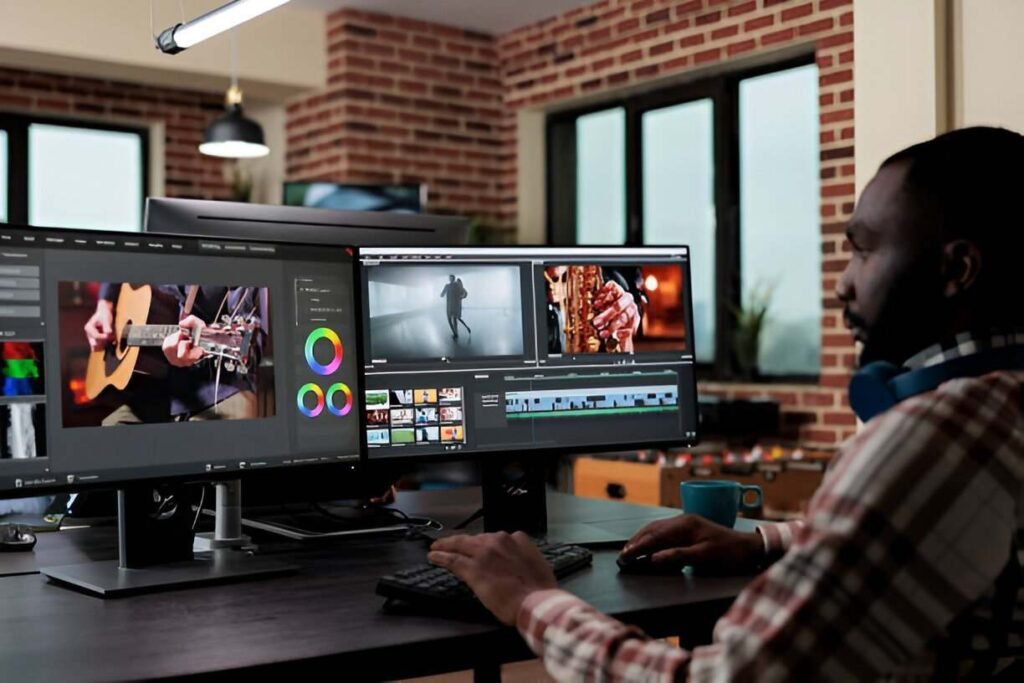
<point x="870" y="393"/>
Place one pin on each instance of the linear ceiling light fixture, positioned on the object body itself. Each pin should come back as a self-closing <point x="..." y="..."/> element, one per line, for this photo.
<point x="183" y="36"/>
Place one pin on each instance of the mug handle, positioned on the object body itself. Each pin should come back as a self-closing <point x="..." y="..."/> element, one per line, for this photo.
<point x="750" y="507"/>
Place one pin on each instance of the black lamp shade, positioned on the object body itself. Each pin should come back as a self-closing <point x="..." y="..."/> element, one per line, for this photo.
<point x="234" y="136"/>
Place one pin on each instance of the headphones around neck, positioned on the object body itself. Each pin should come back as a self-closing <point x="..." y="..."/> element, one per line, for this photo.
<point x="879" y="386"/>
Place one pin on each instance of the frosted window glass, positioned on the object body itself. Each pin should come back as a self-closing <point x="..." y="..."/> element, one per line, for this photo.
<point x="679" y="200"/>
<point x="83" y="178"/>
<point x="601" y="177"/>
<point x="780" y="232"/>
<point x="3" y="176"/>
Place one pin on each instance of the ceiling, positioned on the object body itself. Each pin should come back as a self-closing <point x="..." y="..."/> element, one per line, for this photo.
<point x="487" y="16"/>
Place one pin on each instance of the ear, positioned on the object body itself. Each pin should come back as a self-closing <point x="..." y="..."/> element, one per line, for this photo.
<point x="962" y="263"/>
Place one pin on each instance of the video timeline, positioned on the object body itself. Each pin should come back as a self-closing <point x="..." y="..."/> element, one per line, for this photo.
<point x="591" y="402"/>
<point x="411" y="417"/>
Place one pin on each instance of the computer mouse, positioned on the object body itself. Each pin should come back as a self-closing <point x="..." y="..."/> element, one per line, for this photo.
<point x="644" y="564"/>
<point x="14" y="538"/>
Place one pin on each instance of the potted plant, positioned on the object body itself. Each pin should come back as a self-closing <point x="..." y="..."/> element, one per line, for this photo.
<point x="750" y="320"/>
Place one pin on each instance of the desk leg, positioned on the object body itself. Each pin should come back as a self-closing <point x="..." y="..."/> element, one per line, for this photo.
<point x="487" y="673"/>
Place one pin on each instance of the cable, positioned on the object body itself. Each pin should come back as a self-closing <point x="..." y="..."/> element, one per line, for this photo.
<point x="469" y="520"/>
<point x="199" y="510"/>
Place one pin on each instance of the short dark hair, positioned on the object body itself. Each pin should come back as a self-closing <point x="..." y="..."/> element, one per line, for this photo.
<point x="971" y="182"/>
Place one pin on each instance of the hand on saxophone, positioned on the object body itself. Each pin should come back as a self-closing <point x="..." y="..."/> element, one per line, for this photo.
<point x="618" y="316"/>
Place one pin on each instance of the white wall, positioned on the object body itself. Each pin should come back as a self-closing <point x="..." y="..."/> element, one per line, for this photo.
<point x="899" y="78"/>
<point x="990" y="54"/>
<point x="281" y="54"/>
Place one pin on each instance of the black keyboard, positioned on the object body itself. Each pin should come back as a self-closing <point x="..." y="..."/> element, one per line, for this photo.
<point x="428" y="584"/>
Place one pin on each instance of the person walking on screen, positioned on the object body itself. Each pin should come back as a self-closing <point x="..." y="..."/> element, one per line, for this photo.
<point x="454" y="292"/>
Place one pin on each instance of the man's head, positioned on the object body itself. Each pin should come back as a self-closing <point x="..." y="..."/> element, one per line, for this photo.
<point x="936" y="244"/>
<point x="451" y="278"/>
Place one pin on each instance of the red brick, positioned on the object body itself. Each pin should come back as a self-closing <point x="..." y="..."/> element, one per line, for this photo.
<point x="641" y="5"/>
<point x="707" y="56"/>
<point x="837" y="77"/>
<point x="817" y="399"/>
<point x="16" y="100"/>
<point x="833" y="116"/>
<point x="602" y="63"/>
<point x="677" y="63"/>
<point x="688" y="7"/>
<point x="709" y="18"/>
<point x="647" y="71"/>
<point x="778" y="37"/>
<point x="676" y="27"/>
<point x="817" y="26"/>
<point x="760" y="22"/>
<point x="690" y="41"/>
<point x="627" y="25"/>
<point x="725" y="32"/>
<point x="631" y="56"/>
<point x="832" y="41"/>
<point x="661" y="48"/>
<point x="746" y="7"/>
<point x="841" y="419"/>
<point x="819" y="436"/>
<point x="846" y="96"/>
<point x="824" y="61"/>
<point x="847" y="134"/>
<point x="846" y="57"/>
<point x="740" y="48"/>
<point x="831" y="4"/>
<point x="846" y="19"/>
<point x="797" y="12"/>
<point x="835" y="340"/>
<point x="826" y="99"/>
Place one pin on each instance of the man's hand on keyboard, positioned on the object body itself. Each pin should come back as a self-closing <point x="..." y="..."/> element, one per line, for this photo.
<point x="502" y="569"/>
<point x="692" y="540"/>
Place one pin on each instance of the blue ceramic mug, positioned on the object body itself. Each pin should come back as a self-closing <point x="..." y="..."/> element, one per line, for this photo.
<point x="718" y="501"/>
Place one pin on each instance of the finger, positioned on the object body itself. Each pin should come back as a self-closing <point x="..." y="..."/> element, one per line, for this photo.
<point x="614" y="310"/>
<point x="681" y="556"/>
<point x="104" y="327"/>
<point x="453" y="562"/>
<point x="182" y="349"/>
<point x="463" y="545"/>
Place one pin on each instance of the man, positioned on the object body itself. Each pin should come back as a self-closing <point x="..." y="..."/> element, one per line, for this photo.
<point x="192" y="390"/>
<point x="453" y="293"/>
<point x="908" y="562"/>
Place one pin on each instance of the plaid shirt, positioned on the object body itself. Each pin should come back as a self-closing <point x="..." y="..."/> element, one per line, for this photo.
<point x="905" y="566"/>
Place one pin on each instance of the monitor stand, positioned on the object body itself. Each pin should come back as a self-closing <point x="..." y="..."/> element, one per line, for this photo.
<point x="156" y="554"/>
<point x="515" y="496"/>
<point x="515" y="499"/>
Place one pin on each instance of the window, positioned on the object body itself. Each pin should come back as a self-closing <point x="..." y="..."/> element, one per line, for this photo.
<point x="72" y="175"/>
<point x="728" y="166"/>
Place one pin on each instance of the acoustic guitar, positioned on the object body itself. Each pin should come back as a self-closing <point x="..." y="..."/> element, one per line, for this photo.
<point x="229" y="342"/>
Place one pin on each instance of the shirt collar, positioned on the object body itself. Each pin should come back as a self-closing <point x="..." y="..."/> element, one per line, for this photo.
<point x="963" y="344"/>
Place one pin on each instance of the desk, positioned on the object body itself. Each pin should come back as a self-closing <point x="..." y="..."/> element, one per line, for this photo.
<point x="326" y="617"/>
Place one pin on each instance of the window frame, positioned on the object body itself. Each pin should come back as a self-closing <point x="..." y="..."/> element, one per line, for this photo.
<point x="17" y="126"/>
<point x="723" y="91"/>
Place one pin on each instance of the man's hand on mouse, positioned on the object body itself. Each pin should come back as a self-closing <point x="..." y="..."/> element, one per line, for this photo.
<point x="695" y="541"/>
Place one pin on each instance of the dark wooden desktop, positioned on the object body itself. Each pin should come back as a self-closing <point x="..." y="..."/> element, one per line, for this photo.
<point x="325" y="618"/>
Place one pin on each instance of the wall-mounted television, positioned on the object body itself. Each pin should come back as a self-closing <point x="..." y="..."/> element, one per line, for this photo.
<point x="407" y="198"/>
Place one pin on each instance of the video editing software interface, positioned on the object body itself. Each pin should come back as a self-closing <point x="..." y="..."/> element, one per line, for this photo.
<point x="488" y="349"/>
<point x="132" y="356"/>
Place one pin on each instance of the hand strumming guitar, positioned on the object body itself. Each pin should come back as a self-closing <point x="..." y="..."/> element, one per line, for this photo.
<point x="178" y="347"/>
<point x="99" y="329"/>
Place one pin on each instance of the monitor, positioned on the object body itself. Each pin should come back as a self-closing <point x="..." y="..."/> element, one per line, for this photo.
<point x="407" y="198"/>
<point x="300" y="224"/>
<point x="471" y="351"/>
<point x="132" y="359"/>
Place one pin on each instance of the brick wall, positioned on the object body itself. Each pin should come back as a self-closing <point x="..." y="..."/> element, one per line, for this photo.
<point x="406" y="101"/>
<point x="185" y="115"/>
<point x="611" y="44"/>
<point x="412" y="101"/>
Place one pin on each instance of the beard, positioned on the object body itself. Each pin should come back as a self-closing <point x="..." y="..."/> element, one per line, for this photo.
<point x="913" y="317"/>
